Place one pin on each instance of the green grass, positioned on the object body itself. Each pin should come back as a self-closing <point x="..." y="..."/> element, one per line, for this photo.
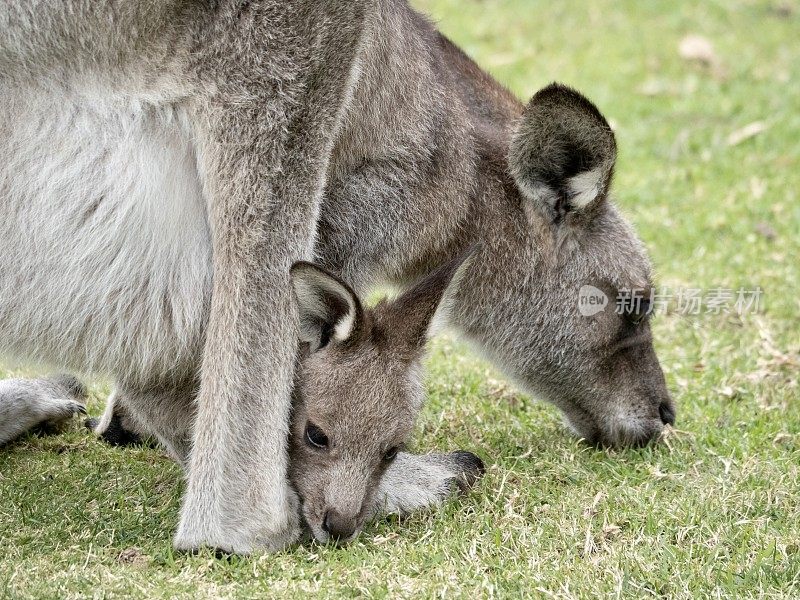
<point x="715" y="510"/>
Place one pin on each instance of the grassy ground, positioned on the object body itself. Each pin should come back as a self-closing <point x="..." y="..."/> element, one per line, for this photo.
<point x="715" y="510"/>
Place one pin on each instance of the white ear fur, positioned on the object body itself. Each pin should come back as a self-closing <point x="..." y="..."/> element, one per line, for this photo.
<point x="327" y="306"/>
<point x="540" y="193"/>
<point x="585" y="187"/>
<point x="562" y="152"/>
<point x="582" y="189"/>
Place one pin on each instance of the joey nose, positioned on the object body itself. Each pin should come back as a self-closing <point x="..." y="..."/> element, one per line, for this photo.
<point x="667" y="413"/>
<point x="338" y="526"/>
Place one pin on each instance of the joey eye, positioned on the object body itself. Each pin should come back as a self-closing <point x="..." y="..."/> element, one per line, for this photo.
<point x="390" y="454"/>
<point x="315" y="436"/>
<point x="637" y="310"/>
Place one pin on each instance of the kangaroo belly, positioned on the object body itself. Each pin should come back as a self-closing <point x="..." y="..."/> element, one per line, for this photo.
<point x="105" y="255"/>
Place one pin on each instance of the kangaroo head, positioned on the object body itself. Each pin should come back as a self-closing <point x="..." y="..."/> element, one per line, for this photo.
<point x="562" y="239"/>
<point x="357" y="394"/>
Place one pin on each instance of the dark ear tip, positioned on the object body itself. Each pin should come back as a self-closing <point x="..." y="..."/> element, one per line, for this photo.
<point x="554" y="90"/>
<point x="558" y="107"/>
<point x="564" y="97"/>
<point x="561" y="92"/>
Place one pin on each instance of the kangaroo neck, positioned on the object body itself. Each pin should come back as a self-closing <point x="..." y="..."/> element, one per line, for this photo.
<point x="418" y="172"/>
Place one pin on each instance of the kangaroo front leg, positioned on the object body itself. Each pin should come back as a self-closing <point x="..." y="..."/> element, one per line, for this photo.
<point x="264" y="138"/>
<point x="414" y="482"/>
<point x="237" y="496"/>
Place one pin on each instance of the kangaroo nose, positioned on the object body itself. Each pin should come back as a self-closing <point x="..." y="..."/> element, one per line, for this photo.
<point x="667" y="413"/>
<point x="339" y="527"/>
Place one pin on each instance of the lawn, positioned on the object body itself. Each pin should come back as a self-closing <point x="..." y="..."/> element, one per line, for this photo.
<point x="709" y="172"/>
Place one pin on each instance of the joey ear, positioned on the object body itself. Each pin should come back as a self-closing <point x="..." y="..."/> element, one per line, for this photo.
<point x="562" y="152"/>
<point x="411" y="314"/>
<point x="329" y="308"/>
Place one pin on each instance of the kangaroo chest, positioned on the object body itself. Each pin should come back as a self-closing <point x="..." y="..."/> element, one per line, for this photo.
<point x="104" y="241"/>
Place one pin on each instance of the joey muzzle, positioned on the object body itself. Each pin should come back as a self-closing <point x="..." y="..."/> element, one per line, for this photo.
<point x="339" y="526"/>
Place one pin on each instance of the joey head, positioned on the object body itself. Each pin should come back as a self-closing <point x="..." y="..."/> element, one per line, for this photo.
<point x="358" y="392"/>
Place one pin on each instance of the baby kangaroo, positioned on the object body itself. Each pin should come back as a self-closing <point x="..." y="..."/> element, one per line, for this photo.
<point x="358" y="390"/>
<point x="357" y="394"/>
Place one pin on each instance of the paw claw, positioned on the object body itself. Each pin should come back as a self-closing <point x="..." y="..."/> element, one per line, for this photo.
<point x="472" y="469"/>
<point x="76" y="408"/>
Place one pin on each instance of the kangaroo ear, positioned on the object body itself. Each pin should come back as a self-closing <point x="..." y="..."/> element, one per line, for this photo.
<point x="329" y="309"/>
<point x="562" y="152"/>
<point x="412" y="313"/>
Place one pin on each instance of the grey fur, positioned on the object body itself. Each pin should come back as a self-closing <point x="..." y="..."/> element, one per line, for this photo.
<point x="162" y="165"/>
<point x="29" y="403"/>
<point x="362" y="383"/>
<point x="359" y="389"/>
<point x="154" y="144"/>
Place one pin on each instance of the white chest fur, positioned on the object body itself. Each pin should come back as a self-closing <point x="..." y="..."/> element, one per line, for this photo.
<point x="105" y="256"/>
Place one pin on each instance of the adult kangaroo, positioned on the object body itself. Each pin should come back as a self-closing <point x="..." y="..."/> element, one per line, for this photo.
<point x="163" y="163"/>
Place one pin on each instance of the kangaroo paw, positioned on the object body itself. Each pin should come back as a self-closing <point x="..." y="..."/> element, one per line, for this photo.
<point x="415" y="482"/>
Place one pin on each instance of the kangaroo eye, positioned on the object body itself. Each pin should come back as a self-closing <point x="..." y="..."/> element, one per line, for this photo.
<point x="637" y="310"/>
<point x="637" y="318"/>
<point x="390" y="454"/>
<point x="315" y="436"/>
